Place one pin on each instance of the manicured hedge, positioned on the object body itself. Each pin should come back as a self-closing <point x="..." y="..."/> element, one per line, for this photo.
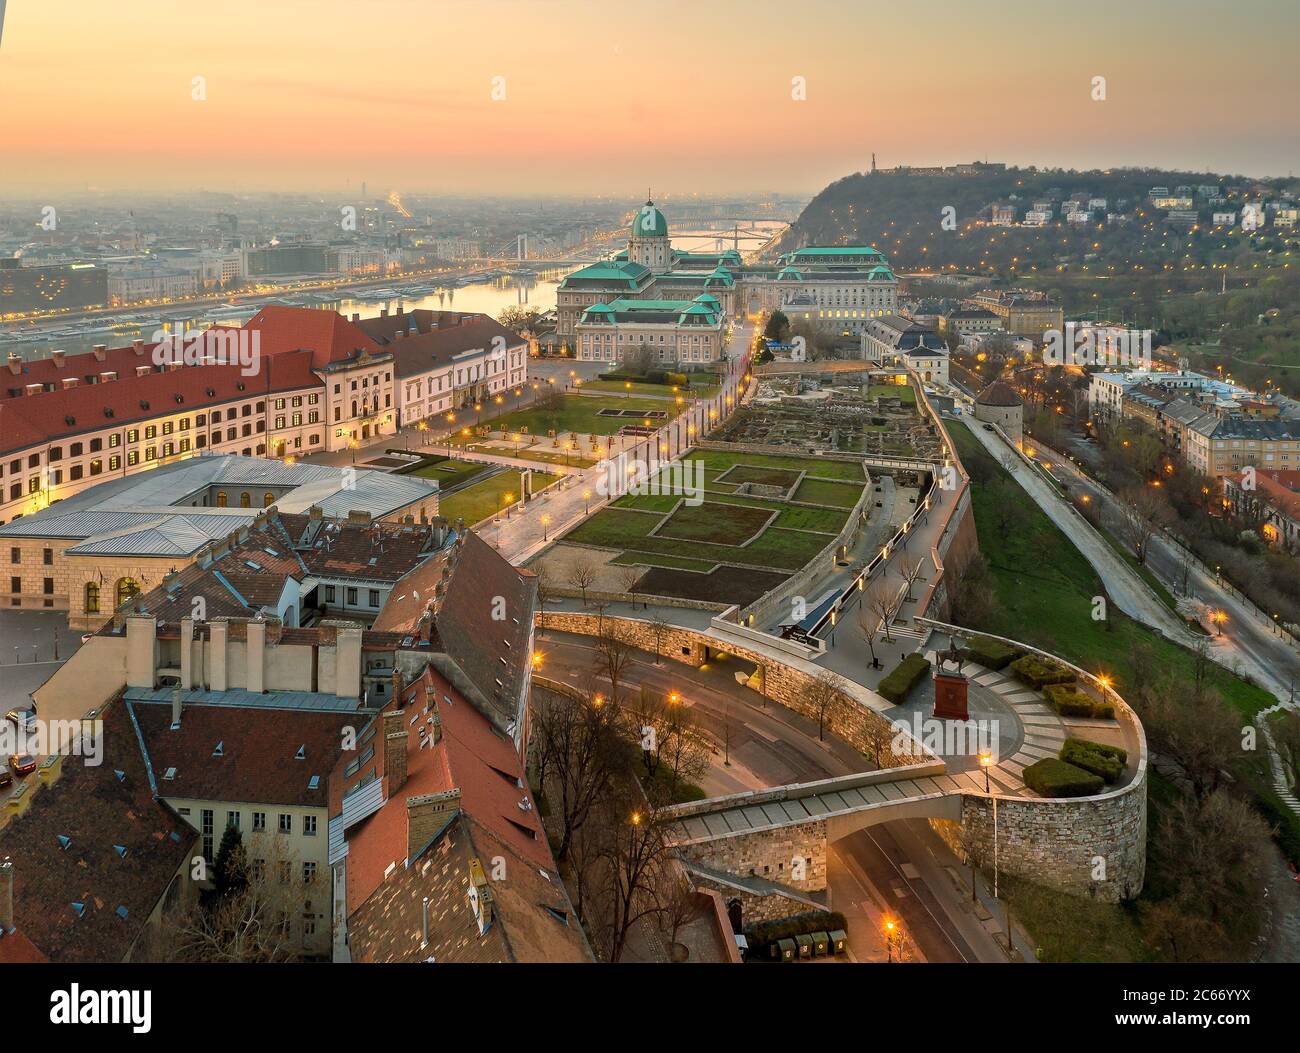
<point x="1070" y="702"/>
<point x="990" y="653"/>
<point x="903" y="677"/>
<point x="1056" y="778"/>
<point x="1096" y="757"/>
<point x="1039" y="672"/>
<point x="761" y="933"/>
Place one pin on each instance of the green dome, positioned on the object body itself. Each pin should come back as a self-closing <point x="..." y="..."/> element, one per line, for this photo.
<point x="649" y="222"/>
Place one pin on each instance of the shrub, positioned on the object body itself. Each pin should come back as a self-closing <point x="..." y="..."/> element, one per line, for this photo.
<point x="680" y="379"/>
<point x="761" y="933"/>
<point x="1069" y="702"/>
<point x="1056" y="778"/>
<point x="1096" y="757"/>
<point x="903" y="677"/>
<point x="990" y="653"/>
<point x="1039" y="672"/>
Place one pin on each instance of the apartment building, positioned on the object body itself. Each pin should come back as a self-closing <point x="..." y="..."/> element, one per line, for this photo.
<point x="1271" y="497"/>
<point x="1218" y="446"/>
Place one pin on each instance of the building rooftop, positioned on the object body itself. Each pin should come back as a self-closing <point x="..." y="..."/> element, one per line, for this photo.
<point x="999" y="394"/>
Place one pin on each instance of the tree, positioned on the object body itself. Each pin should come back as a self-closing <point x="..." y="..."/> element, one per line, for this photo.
<point x="868" y="626"/>
<point x="519" y="318"/>
<point x="909" y="567"/>
<point x="1196" y="730"/>
<point x="882" y="600"/>
<point x="1140" y="509"/>
<point x="777" y="327"/>
<point x="246" y="916"/>
<point x="628" y="578"/>
<point x="582" y="575"/>
<point x="635" y="851"/>
<point x="545" y="589"/>
<point x="1286" y="733"/>
<point x="642" y="360"/>
<point x="579" y="748"/>
<point x="824" y="699"/>
<point x="679" y="903"/>
<point x="659" y="627"/>
<point x="613" y="658"/>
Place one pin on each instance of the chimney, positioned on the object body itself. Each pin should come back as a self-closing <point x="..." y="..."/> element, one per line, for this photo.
<point x="15" y="363"/>
<point x="399" y="686"/>
<point x="401" y="309"/>
<point x="399" y="334"/>
<point x="356" y="317"/>
<point x="6" y="894"/>
<point x="394" y="750"/>
<point x="435" y="728"/>
<point x="100" y="352"/>
<point x="176" y="707"/>
<point x="57" y="358"/>
<point x="426" y="815"/>
<point x="383" y="312"/>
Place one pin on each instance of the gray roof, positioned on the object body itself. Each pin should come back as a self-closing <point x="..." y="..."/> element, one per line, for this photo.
<point x="146" y="514"/>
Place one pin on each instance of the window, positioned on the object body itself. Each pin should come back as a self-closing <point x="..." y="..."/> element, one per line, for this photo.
<point x="259" y="822"/>
<point x="245" y="500"/>
<point x="286" y="872"/>
<point x="268" y="499"/>
<point x="308" y="873"/>
<point x="329" y="591"/>
<point x="92" y="597"/>
<point x="232" y="820"/>
<point x="47" y="586"/>
<point x="352" y="597"/>
<point x="207" y="834"/>
<point x="309" y="825"/>
<point x="286" y="823"/>
<point x="15" y="555"/>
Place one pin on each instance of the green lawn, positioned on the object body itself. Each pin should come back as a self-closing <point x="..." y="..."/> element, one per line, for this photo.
<point x="819" y="492"/>
<point x="449" y="472"/>
<point x="480" y="500"/>
<point x="1046" y="591"/>
<point x="902" y="392"/>
<point x="718" y="461"/>
<point x="578" y="413"/>
<point x="718" y="524"/>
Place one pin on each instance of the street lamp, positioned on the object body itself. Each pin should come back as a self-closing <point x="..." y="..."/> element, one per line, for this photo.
<point x="986" y="762"/>
<point x="586" y="496"/>
<point x="1219" y="617"/>
<point x="545" y="524"/>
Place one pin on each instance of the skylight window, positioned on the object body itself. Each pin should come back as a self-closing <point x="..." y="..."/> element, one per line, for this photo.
<point x="170" y="773"/>
<point x="220" y="749"/>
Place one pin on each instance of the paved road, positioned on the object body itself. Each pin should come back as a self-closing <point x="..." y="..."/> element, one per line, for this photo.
<point x="900" y="870"/>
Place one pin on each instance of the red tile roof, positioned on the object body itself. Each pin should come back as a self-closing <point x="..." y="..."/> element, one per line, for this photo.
<point x="327" y="334"/>
<point x="52" y="415"/>
<point x="1276" y="487"/>
<point x="472" y="756"/>
<point x="258" y="763"/>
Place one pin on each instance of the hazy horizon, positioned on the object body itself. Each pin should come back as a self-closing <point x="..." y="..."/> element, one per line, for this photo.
<point x="319" y="97"/>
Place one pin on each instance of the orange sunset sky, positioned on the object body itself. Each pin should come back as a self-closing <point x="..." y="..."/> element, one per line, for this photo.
<point x="600" y="97"/>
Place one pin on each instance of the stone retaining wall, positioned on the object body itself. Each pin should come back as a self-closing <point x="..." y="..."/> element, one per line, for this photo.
<point x="855" y="718"/>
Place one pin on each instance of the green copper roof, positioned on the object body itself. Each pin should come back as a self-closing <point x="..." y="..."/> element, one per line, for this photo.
<point x="836" y="250"/>
<point x="649" y="222"/>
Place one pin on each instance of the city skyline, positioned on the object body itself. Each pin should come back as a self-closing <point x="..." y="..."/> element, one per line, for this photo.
<point x="590" y="100"/>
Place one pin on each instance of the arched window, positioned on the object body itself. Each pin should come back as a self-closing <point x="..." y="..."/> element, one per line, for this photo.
<point x="127" y="590"/>
<point x="245" y="500"/>
<point x="268" y="499"/>
<point x="221" y="499"/>
<point x="92" y="597"/>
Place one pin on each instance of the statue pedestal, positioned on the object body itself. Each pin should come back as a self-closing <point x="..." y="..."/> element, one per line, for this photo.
<point x="950" y="691"/>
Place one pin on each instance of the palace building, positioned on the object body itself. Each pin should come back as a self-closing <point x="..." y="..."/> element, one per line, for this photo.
<point x="841" y="287"/>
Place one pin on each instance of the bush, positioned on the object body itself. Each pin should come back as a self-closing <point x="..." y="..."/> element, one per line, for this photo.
<point x="1096" y="757"/>
<point x="680" y="379"/>
<point x="761" y="933"/>
<point x="1039" y="672"/>
<point x="990" y="653"/>
<point x="903" y="677"/>
<point x="1069" y="702"/>
<point x="1056" y="778"/>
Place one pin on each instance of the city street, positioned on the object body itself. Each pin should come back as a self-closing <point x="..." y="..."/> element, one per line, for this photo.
<point x="898" y="870"/>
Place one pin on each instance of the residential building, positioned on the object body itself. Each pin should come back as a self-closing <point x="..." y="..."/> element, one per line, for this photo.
<point x="1023" y="312"/>
<point x="965" y="321"/>
<point x="1271" y="497"/>
<point x="1218" y="446"/>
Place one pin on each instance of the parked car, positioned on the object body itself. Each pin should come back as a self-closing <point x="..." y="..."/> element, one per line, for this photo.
<point x="6" y="777"/>
<point x="22" y="763"/>
<point x="23" y="715"/>
<point x="988" y="427"/>
<point x="85" y="637"/>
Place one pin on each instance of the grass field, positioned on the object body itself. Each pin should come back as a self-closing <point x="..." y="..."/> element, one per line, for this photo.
<point x="449" y="472"/>
<point x="482" y="499"/>
<point x="820" y="492"/>
<point x="902" y="392"/>
<point x="580" y="413"/>
<point x="704" y="390"/>
<point x="718" y="461"/>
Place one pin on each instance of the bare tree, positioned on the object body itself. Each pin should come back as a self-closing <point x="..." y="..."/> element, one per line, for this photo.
<point x="627" y="579"/>
<point x="635" y="852"/>
<point x="1196" y="730"/>
<point x="545" y="590"/>
<point x="824" y="699"/>
<point x="679" y="903"/>
<point x="582" y="574"/>
<point x="613" y="657"/>
<point x="1140" y="510"/>
<point x="582" y="752"/>
<point x="882" y="600"/>
<point x="659" y="627"/>
<point x="868" y="626"/>
<point x="909" y="566"/>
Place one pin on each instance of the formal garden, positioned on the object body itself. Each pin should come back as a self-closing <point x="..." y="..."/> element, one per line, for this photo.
<point x="732" y="547"/>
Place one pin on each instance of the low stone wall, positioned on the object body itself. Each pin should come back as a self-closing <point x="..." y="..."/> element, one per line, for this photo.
<point x="791" y="855"/>
<point x="1093" y="847"/>
<point x="856" y="719"/>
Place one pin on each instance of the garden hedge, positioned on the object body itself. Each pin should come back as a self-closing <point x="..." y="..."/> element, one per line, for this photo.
<point x="1096" y="757"/>
<point x="1056" y="778"/>
<point x="990" y="653"/>
<point x="903" y="677"/>
<point x="1070" y="702"/>
<point x="761" y="933"/>
<point x="1039" y="672"/>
